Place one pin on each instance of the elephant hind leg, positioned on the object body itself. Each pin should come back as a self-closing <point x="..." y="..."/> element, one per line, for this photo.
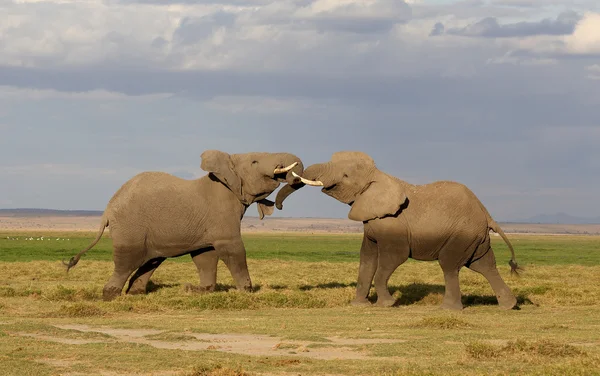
<point x="126" y="261"/>
<point x="486" y="266"/>
<point x="138" y="283"/>
<point x="233" y="254"/>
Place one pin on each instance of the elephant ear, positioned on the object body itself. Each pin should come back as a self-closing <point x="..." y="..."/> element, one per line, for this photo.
<point x="220" y="165"/>
<point x="380" y="199"/>
<point x="265" y="207"/>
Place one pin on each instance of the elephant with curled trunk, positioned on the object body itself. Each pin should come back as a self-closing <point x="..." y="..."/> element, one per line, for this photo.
<point x="156" y="215"/>
<point x="441" y="221"/>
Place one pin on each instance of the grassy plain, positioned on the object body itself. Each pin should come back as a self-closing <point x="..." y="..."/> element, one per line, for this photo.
<point x="298" y="320"/>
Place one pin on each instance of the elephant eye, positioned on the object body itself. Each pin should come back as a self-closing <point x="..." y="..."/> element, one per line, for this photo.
<point x="345" y="175"/>
<point x="254" y="163"/>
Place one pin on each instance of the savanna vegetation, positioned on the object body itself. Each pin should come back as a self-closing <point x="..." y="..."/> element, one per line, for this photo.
<point x="298" y="320"/>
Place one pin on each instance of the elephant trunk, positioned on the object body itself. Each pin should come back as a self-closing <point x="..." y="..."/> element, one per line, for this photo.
<point x="313" y="172"/>
<point x="298" y="170"/>
<point x="284" y="192"/>
<point x="293" y="183"/>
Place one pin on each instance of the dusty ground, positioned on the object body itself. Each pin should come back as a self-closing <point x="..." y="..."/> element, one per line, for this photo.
<point x="244" y="344"/>
<point x="253" y="224"/>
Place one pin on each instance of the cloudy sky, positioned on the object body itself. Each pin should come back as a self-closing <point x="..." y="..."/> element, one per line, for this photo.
<point x="502" y="95"/>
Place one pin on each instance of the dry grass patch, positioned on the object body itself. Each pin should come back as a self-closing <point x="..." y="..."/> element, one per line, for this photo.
<point x="522" y="348"/>
<point x="79" y="310"/>
<point x="443" y="322"/>
<point x="217" y="371"/>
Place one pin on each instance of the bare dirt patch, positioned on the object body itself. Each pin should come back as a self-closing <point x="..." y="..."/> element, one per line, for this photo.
<point x="245" y="344"/>
<point x="66" y="341"/>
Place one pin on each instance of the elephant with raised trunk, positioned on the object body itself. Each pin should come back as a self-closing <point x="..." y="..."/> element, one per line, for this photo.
<point x="156" y="215"/>
<point x="441" y="221"/>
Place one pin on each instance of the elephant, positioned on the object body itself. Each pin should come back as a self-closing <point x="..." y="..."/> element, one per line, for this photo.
<point x="441" y="221"/>
<point x="155" y="216"/>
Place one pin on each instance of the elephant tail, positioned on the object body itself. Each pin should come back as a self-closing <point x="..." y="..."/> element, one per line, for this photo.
<point x="75" y="260"/>
<point x="514" y="267"/>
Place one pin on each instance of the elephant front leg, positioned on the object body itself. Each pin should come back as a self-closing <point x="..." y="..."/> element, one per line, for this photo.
<point x="366" y="270"/>
<point x="206" y="262"/>
<point x="233" y="254"/>
<point x="392" y="253"/>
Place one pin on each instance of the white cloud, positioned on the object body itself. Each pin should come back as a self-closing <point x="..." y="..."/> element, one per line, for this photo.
<point x="508" y="58"/>
<point x="11" y="92"/>
<point x="594" y="71"/>
<point x="261" y="105"/>
<point x="586" y="37"/>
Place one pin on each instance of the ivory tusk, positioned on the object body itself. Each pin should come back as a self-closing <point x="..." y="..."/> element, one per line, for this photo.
<point x="285" y="169"/>
<point x="308" y="182"/>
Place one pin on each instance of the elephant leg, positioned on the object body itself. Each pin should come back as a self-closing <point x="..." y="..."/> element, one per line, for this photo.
<point x="366" y="270"/>
<point x="206" y="263"/>
<point x="486" y="266"/>
<point x="392" y="254"/>
<point x="233" y="254"/>
<point x="452" y="295"/>
<point x="138" y="283"/>
<point x="126" y="262"/>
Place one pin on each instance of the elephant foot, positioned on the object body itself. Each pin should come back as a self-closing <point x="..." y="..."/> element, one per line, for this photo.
<point x="137" y="289"/>
<point x="507" y="302"/>
<point x="110" y="292"/>
<point x="452" y="306"/>
<point x="360" y="302"/>
<point x="199" y="289"/>
<point x="246" y="288"/>
<point x="385" y="302"/>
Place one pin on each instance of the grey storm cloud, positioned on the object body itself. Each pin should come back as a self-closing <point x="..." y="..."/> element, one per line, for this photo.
<point x="193" y="30"/>
<point x="400" y="91"/>
<point x="489" y="27"/>
<point x="390" y="12"/>
<point x="438" y="29"/>
<point x="381" y="16"/>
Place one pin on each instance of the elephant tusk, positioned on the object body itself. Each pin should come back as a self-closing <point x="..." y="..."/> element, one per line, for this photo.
<point x="285" y="169"/>
<point x="308" y="182"/>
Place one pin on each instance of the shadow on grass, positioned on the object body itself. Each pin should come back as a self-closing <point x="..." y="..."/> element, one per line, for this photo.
<point x="483" y="300"/>
<point x="329" y="285"/>
<point x="417" y="292"/>
<point x="152" y="287"/>
<point x="278" y="287"/>
<point x="414" y="293"/>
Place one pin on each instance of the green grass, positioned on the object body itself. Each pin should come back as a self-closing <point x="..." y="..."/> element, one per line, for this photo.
<point x="530" y="249"/>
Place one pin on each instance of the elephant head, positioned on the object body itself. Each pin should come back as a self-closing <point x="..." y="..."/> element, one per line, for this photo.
<point x="352" y="178"/>
<point x="252" y="177"/>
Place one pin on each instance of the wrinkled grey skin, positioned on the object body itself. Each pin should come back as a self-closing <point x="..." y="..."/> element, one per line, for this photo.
<point x="156" y="215"/>
<point x="441" y="221"/>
